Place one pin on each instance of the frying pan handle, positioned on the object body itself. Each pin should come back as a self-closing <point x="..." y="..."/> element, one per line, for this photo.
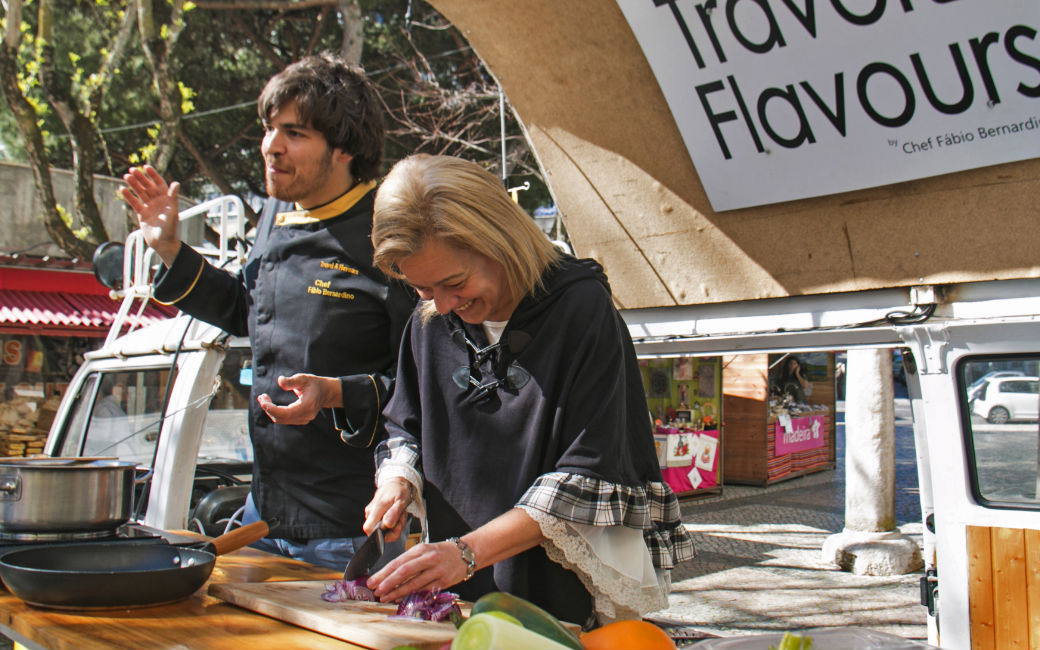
<point x="239" y="537"/>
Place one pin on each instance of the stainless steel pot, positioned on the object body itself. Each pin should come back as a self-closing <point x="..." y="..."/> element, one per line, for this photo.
<point x="60" y="496"/>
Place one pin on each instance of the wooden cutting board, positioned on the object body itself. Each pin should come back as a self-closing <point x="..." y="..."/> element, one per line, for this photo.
<point x="363" y="623"/>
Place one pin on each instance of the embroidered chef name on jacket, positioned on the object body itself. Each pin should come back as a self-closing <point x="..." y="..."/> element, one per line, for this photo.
<point x="322" y="288"/>
<point x="339" y="266"/>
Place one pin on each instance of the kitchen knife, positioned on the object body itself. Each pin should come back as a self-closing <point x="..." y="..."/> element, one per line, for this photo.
<point x="365" y="557"/>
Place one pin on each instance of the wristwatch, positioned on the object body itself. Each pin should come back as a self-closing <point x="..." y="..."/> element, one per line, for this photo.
<point x="468" y="556"/>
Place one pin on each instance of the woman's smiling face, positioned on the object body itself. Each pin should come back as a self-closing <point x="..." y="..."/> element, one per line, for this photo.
<point x="466" y="282"/>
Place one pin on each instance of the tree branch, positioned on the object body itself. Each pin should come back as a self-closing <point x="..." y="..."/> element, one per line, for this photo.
<point x="101" y="81"/>
<point x="260" y="44"/>
<point x="213" y="173"/>
<point x="263" y="5"/>
<point x="319" y="26"/>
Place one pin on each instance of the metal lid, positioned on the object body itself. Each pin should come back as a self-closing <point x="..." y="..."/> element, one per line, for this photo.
<point x="63" y="462"/>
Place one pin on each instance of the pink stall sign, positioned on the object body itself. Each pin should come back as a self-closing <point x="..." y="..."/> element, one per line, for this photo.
<point x="803" y="434"/>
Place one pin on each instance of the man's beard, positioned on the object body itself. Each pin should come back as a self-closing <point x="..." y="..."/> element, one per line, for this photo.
<point x="301" y="188"/>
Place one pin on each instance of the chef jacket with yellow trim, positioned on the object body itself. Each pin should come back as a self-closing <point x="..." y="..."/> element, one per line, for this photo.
<point x="311" y="302"/>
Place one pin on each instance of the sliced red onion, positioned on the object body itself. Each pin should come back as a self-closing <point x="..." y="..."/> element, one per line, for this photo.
<point x="343" y="590"/>
<point x="429" y="605"/>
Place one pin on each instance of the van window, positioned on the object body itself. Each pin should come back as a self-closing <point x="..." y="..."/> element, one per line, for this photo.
<point x="226" y="436"/>
<point x="1018" y="386"/>
<point x="1000" y="401"/>
<point x="72" y="436"/>
<point x="123" y="416"/>
<point x="117" y="413"/>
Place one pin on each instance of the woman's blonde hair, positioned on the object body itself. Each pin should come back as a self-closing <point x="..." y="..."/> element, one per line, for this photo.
<point x="465" y="206"/>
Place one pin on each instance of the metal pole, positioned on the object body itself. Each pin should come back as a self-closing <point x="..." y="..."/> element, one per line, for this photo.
<point x="502" y="121"/>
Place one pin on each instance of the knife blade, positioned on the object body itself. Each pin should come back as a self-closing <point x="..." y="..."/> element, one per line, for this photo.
<point x="365" y="556"/>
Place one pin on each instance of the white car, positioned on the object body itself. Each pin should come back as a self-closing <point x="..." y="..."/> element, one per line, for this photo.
<point x="993" y="374"/>
<point x="1003" y="399"/>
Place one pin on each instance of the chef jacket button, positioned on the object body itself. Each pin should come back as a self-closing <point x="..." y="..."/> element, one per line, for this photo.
<point x="263" y="317"/>
<point x="260" y="370"/>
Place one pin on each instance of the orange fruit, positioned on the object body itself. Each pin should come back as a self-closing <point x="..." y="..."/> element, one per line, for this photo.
<point x="628" y="635"/>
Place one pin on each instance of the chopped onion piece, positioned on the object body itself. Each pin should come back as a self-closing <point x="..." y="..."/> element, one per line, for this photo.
<point x="429" y="605"/>
<point x="343" y="590"/>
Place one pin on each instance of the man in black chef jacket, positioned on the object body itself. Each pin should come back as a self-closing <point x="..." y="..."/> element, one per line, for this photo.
<point x="324" y="324"/>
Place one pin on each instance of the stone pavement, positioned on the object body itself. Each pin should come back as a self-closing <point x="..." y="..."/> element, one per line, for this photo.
<point x="759" y="567"/>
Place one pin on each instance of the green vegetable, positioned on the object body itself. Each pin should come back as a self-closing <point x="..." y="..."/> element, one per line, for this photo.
<point x="529" y="615"/>
<point x="505" y="616"/>
<point x="793" y="642"/>
<point x="489" y="632"/>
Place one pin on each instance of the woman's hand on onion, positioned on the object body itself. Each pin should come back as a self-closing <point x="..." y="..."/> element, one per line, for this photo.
<point x="431" y="567"/>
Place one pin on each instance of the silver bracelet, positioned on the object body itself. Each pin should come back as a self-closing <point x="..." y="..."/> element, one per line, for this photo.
<point x="468" y="556"/>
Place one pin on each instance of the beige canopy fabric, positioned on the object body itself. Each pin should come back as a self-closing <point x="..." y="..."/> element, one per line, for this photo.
<point x="630" y="196"/>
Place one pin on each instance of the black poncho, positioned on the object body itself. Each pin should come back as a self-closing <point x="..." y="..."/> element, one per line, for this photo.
<point x="573" y="440"/>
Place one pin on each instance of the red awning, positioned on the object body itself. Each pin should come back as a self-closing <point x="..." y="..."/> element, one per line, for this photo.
<point x="67" y="314"/>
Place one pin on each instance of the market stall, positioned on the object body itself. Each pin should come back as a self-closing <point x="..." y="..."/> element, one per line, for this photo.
<point x="779" y="421"/>
<point x="684" y="396"/>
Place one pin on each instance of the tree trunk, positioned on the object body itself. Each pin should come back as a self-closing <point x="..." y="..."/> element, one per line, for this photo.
<point x="59" y="94"/>
<point x="26" y="118"/>
<point x="353" y="31"/>
<point x="158" y="50"/>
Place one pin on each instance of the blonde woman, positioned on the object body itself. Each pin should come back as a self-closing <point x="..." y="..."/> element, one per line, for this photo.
<point x="517" y="429"/>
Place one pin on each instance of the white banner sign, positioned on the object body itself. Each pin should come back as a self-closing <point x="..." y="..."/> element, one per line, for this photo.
<point x="786" y="99"/>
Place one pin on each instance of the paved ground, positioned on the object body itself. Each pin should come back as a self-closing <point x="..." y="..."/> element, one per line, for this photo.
<point x="759" y="565"/>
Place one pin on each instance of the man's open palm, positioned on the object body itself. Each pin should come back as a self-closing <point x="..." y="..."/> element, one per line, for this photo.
<point x="155" y="204"/>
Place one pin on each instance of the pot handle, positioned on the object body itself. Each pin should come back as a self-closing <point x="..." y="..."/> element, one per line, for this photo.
<point x="10" y="487"/>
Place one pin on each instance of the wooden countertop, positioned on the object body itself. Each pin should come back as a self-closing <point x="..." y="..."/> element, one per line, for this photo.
<point x="199" y="623"/>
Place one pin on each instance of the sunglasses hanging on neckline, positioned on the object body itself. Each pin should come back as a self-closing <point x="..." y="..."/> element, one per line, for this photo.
<point x="514" y="378"/>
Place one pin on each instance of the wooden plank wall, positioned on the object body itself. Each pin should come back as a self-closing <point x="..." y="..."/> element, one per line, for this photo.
<point x="745" y="391"/>
<point x="1004" y="588"/>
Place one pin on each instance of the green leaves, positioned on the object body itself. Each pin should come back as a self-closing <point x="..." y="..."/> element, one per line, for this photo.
<point x="439" y="97"/>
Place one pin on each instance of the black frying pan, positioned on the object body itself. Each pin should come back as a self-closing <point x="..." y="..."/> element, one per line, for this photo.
<point x="100" y="575"/>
